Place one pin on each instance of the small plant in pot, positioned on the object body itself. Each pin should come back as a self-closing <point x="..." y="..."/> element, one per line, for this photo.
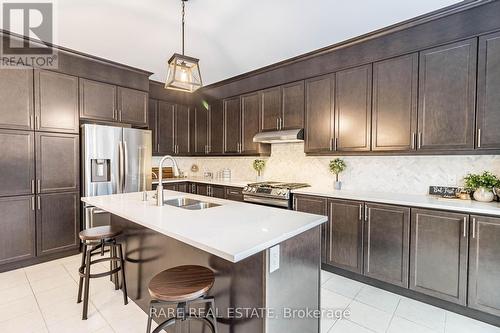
<point x="482" y="185"/>
<point x="336" y="167"/>
<point x="259" y="165"/>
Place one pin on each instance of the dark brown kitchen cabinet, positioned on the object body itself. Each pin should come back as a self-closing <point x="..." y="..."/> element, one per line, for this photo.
<point x="488" y="98"/>
<point x="165" y="127"/>
<point x="319" y="119"/>
<point x="17" y="169"/>
<point x="217" y="191"/>
<point x="447" y="92"/>
<point x="182" y="129"/>
<point x="250" y="113"/>
<point x="484" y="265"/>
<point x="438" y="254"/>
<point x="200" y="137"/>
<point x="171" y="186"/>
<point x="98" y="101"/>
<point x="314" y="205"/>
<point x="272" y="116"/>
<point x="17" y="230"/>
<point x="232" y="125"/>
<point x="394" y="110"/>
<point x="57" y="162"/>
<point x="292" y="105"/>
<point x="386" y="243"/>
<point x="133" y="106"/>
<point x="16" y="98"/>
<point x="56" y="102"/>
<point x="183" y="187"/>
<point x="353" y="91"/>
<point x="216" y="128"/>
<point x="202" y="189"/>
<point x="234" y="193"/>
<point x="153" y="123"/>
<point x="57" y="222"/>
<point x="345" y="239"/>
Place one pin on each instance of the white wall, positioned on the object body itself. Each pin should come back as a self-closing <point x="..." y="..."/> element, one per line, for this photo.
<point x="402" y="174"/>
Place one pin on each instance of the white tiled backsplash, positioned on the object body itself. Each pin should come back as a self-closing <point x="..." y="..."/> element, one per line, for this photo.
<point x="401" y="174"/>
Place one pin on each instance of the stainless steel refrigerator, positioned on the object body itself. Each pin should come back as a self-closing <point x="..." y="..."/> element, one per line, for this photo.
<point x="114" y="160"/>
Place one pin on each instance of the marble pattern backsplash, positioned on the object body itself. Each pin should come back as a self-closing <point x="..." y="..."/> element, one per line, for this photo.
<point x="396" y="174"/>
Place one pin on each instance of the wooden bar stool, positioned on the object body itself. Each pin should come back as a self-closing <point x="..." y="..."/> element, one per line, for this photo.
<point x="94" y="242"/>
<point x="182" y="285"/>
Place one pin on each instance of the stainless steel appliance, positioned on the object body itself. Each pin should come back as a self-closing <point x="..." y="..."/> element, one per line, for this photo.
<point x="114" y="160"/>
<point x="276" y="194"/>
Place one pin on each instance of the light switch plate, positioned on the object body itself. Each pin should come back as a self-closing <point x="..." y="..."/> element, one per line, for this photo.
<point x="274" y="258"/>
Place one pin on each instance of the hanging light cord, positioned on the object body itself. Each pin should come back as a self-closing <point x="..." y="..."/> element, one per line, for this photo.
<point x="183" y="12"/>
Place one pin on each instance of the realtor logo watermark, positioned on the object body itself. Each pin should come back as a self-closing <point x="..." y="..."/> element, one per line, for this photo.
<point x="34" y="20"/>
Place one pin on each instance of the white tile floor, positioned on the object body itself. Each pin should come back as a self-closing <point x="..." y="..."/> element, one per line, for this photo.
<point x="42" y="298"/>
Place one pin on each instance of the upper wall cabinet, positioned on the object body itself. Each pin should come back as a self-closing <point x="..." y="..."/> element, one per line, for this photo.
<point x="165" y="128"/>
<point x="394" y="110"/>
<point x="216" y="128"/>
<point x="182" y="130"/>
<point x="232" y="125"/>
<point x="200" y="133"/>
<point x="488" y="96"/>
<point x="98" y="100"/>
<point x="250" y="111"/>
<point x="447" y="85"/>
<point x="319" y="129"/>
<point x="16" y="98"/>
<point x="56" y="102"/>
<point x="293" y="105"/>
<point x="153" y="122"/>
<point x="271" y="109"/>
<point x="353" y="90"/>
<point x="132" y="106"/>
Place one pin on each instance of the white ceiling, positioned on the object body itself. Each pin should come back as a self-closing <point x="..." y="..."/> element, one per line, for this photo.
<point x="229" y="36"/>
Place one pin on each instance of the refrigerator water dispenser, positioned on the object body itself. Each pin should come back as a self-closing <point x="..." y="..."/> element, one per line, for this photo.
<point x="100" y="170"/>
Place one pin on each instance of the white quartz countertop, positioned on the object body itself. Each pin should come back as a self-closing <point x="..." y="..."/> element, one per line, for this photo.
<point x="411" y="200"/>
<point x="233" y="231"/>
<point x="234" y="183"/>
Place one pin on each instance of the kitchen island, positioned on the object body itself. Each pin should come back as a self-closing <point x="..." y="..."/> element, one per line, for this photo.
<point x="266" y="260"/>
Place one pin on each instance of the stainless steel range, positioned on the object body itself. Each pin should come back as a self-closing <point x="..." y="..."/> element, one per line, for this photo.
<point x="271" y="193"/>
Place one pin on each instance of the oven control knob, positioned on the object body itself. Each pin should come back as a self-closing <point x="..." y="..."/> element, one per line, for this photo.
<point x="245" y="188"/>
<point x="254" y="189"/>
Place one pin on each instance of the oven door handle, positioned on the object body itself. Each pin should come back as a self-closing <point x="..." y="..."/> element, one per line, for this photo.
<point x="267" y="201"/>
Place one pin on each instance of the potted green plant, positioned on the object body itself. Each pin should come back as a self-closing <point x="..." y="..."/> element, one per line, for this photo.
<point x="336" y="167"/>
<point x="259" y="165"/>
<point x="482" y="185"/>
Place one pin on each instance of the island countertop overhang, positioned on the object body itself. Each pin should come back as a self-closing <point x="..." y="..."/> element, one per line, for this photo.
<point x="233" y="231"/>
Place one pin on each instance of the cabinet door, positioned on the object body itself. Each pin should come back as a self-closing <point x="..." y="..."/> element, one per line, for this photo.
<point x="165" y="129"/>
<point x="56" y="106"/>
<point x="271" y="109"/>
<point x="202" y="189"/>
<point x="16" y="98"/>
<point x="250" y="111"/>
<point x="57" y="162"/>
<point x="314" y="205"/>
<point x="17" y="164"/>
<point x="183" y="187"/>
<point x="170" y="186"/>
<point x="153" y="123"/>
<point x="488" y="98"/>
<point x="234" y="193"/>
<point x="319" y="114"/>
<point x="345" y="248"/>
<point x="387" y="243"/>
<point x="217" y="191"/>
<point x="58" y="222"/>
<point x="216" y="120"/>
<point x="133" y="106"/>
<point x="17" y="230"/>
<point x="200" y="130"/>
<point x="98" y="100"/>
<point x="293" y="105"/>
<point x="182" y="129"/>
<point x="484" y="265"/>
<point x="232" y="125"/>
<point x="438" y="254"/>
<point x="447" y="90"/>
<point x="394" y="114"/>
<point x="353" y="100"/>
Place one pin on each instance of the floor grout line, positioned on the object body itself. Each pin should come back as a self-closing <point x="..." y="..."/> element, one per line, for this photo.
<point x="393" y="314"/>
<point x="37" y="304"/>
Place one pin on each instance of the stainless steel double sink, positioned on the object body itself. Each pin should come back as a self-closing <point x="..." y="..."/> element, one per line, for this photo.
<point x="188" y="203"/>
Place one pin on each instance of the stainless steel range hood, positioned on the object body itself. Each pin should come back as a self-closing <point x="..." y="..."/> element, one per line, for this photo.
<point x="294" y="135"/>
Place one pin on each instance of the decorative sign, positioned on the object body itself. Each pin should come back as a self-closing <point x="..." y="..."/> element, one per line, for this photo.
<point x="444" y="191"/>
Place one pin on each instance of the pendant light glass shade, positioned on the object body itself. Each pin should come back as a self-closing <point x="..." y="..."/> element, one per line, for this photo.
<point x="183" y="73"/>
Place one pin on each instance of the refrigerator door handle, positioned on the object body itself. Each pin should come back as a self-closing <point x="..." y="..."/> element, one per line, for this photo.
<point x="120" y="168"/>
<point x="125" y="165"/>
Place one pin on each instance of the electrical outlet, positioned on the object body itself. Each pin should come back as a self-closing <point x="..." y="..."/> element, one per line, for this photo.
<point x="274" y="258"/>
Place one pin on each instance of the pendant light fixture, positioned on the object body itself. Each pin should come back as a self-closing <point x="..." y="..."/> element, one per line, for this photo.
<point x="183" y="71"/>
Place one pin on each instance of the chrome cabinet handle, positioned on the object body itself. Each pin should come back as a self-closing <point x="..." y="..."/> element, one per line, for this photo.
<point x="331" y="143"/>
<point x="413" y="139"/>
<point x="38" y="185"/>
<point x="336" y="144"/>
<point x="419" y="140"/>
<point x="32" y="186"/>
<point x="31" y="121"/>
<point x="277" y="123"/>
<point x="473" y="228"/>
<point x="360" y="208"/>
<point x="38" y="202"/>
<point x="32" y="203"/>
<point x="158" y="147"/>
<point x="294" y="203"/>
<point x="366" y="213"/>
<point x="37" y="122"/>
<point x="281" y="123"/>
<point x="478" y="138"/>
<point x="465" y="226"/>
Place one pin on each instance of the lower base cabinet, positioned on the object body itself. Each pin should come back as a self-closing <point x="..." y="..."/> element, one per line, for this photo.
<point x="484" y="265"/>
<point x="438" y="254"/>
<point x="215" y="191"/>
<point x="234" y="194"/>
<point x="386" y="243"/>
<point x="17" y="229"/>
<point x="345" y="239"/>
<point x="58" y="222"/>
